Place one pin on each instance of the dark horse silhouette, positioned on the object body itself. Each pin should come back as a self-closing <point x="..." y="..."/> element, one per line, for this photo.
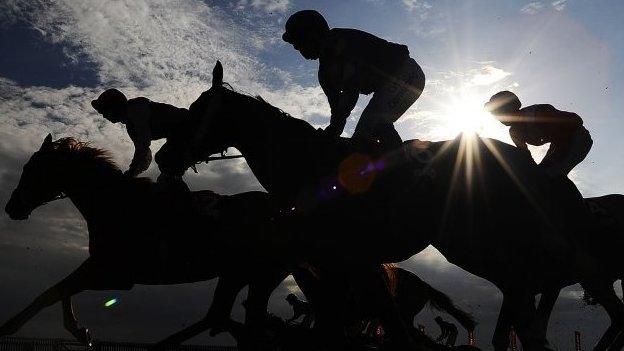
<point x="483" y="204"/>
<point x="608" y="240"/>
<point x="136" y="236"/>
<point x="148" y="242"/>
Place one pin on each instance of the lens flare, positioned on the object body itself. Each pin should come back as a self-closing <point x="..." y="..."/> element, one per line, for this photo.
<point x="110" y="303"/>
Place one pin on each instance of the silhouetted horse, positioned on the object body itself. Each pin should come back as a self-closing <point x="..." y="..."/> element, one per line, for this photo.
<point x="483" y="204"/>
<point x="137" y="235"/>
<point x="608" y="240"/>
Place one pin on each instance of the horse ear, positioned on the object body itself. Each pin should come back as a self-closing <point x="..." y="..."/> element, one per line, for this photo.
<point x="217" y="75"/>
<point x="47" y="143"/>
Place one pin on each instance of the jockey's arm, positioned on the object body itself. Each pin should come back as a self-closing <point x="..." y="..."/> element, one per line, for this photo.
<point x="341" y="101"/>
<point x="518" y="138"/>
<point x="138" y="120"/>
<point x="346" y="103"/>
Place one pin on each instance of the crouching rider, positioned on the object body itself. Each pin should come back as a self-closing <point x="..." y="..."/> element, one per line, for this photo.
<point x="353" y="62"/>
<point x="539" y="124"/>
<point x="145" y="121"/>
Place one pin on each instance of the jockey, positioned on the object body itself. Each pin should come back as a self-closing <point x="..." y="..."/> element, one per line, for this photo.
<point x="353" y="62"/>
<point x="145" y="121"/>
<point x="539" y="124"/>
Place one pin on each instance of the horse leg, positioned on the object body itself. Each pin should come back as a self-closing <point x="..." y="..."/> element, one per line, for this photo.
<point x="258" y="296"/>
<point x="606" y="297"/>
<point x="544" y="310"/>
<point x="218" y="314"/>
<point x="70" y="285"/>
<point x="500" y="339"/>
<point x="328" y="296"/>
<point x="376" y="287"/>
<point x="523" y="311"/>
<point x="71" y="323"/>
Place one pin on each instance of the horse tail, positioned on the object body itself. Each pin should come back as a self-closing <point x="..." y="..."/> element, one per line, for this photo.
<point x="391" y="277"/>
<point x="442" y="302"/>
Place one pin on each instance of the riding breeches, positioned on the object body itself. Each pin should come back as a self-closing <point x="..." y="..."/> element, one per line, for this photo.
<point x="172" y="158"/>
<point x="391" y="101"/>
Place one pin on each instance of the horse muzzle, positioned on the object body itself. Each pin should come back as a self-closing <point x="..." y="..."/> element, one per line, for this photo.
<point x="16" y="209"/>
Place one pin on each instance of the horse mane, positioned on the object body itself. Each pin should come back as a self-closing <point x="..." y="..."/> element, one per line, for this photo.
<point x="273" y="110"/>
<point x="84" y="153"/>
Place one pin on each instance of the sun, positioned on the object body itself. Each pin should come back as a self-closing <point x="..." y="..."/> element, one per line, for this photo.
<point x="464" y="113"/>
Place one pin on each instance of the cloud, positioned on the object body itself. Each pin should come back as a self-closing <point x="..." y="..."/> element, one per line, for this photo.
<point x="267" y="6"/>
<point x="532" y="8"/>
<point x="488" y="75"/>
<point x="420" y="6"/>
<point x="426" y="23"/>
<point x="535" y="7"/>
<point x="559" y="5"/>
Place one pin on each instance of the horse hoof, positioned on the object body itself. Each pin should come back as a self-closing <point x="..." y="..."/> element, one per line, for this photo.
<point x="9" y="328"/>
<point x="83" y="336"/>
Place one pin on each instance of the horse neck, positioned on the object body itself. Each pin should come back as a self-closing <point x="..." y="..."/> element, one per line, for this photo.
<point x="88" y="186"/>
<point x="263" y="136"/>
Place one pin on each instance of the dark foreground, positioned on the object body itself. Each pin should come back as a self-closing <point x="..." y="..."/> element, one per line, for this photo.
<point x="32" y="344"/>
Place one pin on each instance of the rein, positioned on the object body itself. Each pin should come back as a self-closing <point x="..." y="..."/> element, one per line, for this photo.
<point x="214" y="158"/>
<point x="60" y="196"/>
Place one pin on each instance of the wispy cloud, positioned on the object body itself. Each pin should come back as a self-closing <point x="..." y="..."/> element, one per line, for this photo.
<point x="536" y="7"/>
<point x="532" y="8"/>
<point x="559" y="5"/>
<point x="487" y="75"/>
<point x="425" y="21"/>
<point x="267" y="6"/>
<point x="422" y="7"/>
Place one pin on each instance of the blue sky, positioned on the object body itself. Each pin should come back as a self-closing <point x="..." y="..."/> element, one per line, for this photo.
<point x="58" y="56"/>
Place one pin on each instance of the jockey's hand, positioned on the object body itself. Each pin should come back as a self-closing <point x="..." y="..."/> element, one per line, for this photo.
<point x="333" y="131"/>
<point x="131" y="173"/>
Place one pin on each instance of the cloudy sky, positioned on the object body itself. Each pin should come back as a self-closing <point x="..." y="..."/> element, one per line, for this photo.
<point x="58" y="55"/>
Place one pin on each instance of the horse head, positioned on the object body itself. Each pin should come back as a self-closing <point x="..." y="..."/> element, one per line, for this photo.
<point x="58" y="167"/>
<point x="38" y="184"/>
<point x="210" y="132"/>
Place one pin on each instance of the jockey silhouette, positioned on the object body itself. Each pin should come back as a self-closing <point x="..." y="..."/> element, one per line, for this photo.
<point x="353" y="62"/>
<point x="448" y="331"/>
<point x="539" y="124"/>
<point x="145" y="121"/>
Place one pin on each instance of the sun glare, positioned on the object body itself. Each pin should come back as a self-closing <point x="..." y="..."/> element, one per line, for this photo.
<point x="465" y="114"/>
